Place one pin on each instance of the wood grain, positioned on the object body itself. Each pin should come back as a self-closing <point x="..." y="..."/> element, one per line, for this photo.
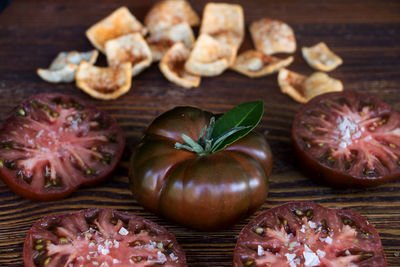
<point x="366" y="34"/>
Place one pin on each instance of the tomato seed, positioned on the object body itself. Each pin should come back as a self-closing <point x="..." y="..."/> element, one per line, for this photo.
<point x="392" y="145"/>
<point x="136" y="259"/>
<point x="310" y="213"/>
<point x="38" y="247"/>
<point x="330" y="160"/>
<point x="89" y="171"/>
<point x="47" y="261"/>
<point x="8" y="145"/>
<point x="112" y="138"/>
<point x="63" y="240"/>
<point x="369" y="172"/>
<point x="160" y="245"/>
<point x="321" y="144"/>
<point x="309" y="127"/>
<point x="170" y="245"/>
<point x="322" y="116"/>
<point x="136" y="243"/>
<point x="21" y="112"/>
<point x="365" y="235"/>
<point x="1" y="163"/>
<point x="381" y="122"/>
<point x="259" y="230"/>
<point x="54" y="114"/>
<point x="298" y="212"/>
<point x="76" y="105"/>
<point x="106" y="158"/>
<point x="248" y="263"/>
<point x="307" y="144"/>
<point x="38" y="241"/>
<point x="88" y="235"/>
<point x="11" y="165"/>
<point x="347" y="221"/>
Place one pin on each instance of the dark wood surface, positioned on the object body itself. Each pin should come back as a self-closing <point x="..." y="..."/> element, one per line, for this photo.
<point x="365" y="33"/>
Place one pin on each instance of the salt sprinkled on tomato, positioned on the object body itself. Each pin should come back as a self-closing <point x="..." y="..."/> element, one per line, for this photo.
<point x="100" y="237"/>
<point x="306" y="234"/>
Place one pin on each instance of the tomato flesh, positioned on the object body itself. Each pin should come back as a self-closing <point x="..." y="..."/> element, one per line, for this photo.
<point x="52" y="143"/>
<point x="348" y="138"/>
<point x="100" y="237"/>
<point x="306" y="234"/>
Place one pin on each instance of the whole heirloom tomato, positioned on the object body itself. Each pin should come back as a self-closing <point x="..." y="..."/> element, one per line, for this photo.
<point x="205" y="191"/>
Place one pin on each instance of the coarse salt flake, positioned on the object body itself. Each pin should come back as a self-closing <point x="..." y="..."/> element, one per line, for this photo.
<point x="123" y="231"/>
<point x="312" y="224"/>
<point x="173" y="257"/>
<point x="321" y="253"/>
<point x="260" y="250"/>
<point x="327" y="240"/>
<point x="311" y="259"/>
<point x="290" y="256"/>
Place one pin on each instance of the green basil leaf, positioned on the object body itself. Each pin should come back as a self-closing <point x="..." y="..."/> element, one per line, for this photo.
<point x="246" y="116"/>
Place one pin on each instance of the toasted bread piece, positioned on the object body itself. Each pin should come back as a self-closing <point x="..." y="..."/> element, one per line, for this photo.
<point x="104" y="83"/>
<point x="272" y="36"/>
<point x="64" y="66"/>
<point x="209" y="57"/>
<point x="254" y="63"/>
<point x="66" y="74"/>
<point x="118" y="23"/>
<point x="172" y="66"/>
<point x="161" y="41"/>
<point x="224" y="22"/>
<point x="129" y="48"/>
<point x="320" y="57"/>
<point x="167" y="13"/>
<point x="302" y="88"/>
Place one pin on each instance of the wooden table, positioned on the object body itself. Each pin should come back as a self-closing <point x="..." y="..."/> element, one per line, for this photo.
<point x="365" y="33"/>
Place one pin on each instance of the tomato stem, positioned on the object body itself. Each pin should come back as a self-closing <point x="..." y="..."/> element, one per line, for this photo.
<point x="205" y="145"/>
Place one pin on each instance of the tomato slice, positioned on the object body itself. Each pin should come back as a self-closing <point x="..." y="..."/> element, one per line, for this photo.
<point x="348" y="139"/>
<point x="100" y="237"/>
<point x="307" y="234"/>
<point x="53" y="143"/>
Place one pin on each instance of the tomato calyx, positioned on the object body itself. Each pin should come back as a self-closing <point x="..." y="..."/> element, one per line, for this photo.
<point x="205" y="143"/>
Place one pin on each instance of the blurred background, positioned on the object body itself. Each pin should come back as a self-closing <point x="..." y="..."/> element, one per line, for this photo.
<point x="3" y="4"/>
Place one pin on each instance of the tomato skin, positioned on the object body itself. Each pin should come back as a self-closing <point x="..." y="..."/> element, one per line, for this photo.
<point x="202" y="192"/>
<point x="248" y="237"/>
<point x="44" y="194"/>
<point x="332" y="176"/>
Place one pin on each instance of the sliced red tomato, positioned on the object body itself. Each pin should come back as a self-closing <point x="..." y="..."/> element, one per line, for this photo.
<point x="53" y="143"/>
<point x="100" y="237"/>
<point x="348" y="139"/>
<point x="307" y="234"/>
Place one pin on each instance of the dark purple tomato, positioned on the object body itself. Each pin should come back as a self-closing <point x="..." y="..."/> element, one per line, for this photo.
<point x="203" y="192"/>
